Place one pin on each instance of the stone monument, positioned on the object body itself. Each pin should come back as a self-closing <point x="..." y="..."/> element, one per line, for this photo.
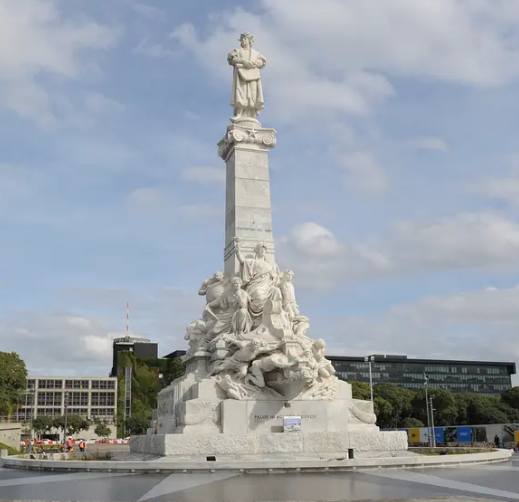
<point x="251" y="366"/>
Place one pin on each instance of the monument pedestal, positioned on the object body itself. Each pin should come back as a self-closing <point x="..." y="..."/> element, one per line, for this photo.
<point x="208" y="425"/>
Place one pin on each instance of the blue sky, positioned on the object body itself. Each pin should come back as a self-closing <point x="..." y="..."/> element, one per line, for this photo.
<point x="395" y="180"/>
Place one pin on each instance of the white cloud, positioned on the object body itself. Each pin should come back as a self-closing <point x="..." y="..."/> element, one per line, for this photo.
<point x="471" y="240"/>
<point x="58" y="343"/>
<point x="36" y="41"/>
<point x="321" y="261"/>
<point x="472" y="325"/>
<point x="75" y="343"/>
<point x="204" y="174"/>
<point x="363" y="173"/>
<point x="462" y="241"/>
<point x="314" y="240"/>
<point x="338" y="56"/>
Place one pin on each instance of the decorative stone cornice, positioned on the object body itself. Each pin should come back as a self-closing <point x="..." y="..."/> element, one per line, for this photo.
<point x="259" y="138"/>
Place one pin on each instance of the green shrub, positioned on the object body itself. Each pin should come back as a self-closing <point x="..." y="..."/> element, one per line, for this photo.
<point x="10" y="450"/>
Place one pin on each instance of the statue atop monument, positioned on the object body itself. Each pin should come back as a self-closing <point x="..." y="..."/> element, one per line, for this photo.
<point x="247" y="93"/>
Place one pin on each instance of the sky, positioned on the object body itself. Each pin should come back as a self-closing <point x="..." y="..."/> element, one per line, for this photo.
<point x="395" y="178"/>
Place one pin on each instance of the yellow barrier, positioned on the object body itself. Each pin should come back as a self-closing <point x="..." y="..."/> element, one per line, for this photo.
<point x="414" y="435"/>
<point x="516" y="438"/>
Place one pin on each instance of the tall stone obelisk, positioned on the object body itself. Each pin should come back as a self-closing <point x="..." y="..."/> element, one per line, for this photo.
<point x="244" y="148"/>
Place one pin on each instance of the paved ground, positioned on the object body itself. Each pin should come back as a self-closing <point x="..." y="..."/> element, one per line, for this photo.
<point x="492" y="482"/>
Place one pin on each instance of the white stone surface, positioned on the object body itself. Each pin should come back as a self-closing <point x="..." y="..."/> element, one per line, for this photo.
<point x="247" y="93"/>
<point x="265" y="443"/>
<point x="371" y="440"/>
<point x="251" y="360"/>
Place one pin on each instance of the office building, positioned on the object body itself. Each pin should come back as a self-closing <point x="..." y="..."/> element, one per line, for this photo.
<point x="142" y="348"/>
<point x="484" y="377"/>
<point x="91" y="397"/>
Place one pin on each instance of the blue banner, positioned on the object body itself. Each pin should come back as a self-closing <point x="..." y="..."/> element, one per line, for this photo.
<point x="439" y="434"/>
<point x="464" y="434"/>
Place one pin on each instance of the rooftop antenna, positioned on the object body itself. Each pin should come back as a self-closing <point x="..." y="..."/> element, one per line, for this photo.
<point x="127" y="318"/>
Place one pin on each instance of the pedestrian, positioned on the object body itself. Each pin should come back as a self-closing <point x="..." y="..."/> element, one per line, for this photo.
<point x="82" y="445"/>
<point x="496" y="441"/>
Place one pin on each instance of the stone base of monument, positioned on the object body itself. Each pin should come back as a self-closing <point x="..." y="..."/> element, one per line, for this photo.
<point x="318" y="444"/>
<point x="194" y="420"/>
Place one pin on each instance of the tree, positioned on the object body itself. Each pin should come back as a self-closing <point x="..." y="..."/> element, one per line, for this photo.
<point x="137" y="424"/>
<point x="384" y="411"/>
<point x="360" y="390"/>
<point x="75" y="423"/>
<point x="145" y="387"/>
<point x="444" y="403"/>
<point x="400" y="400"/>
<point x="409" y="422"/>
<point x="173" y="369"/>
<point x="13" y="378"/>
<point x="485" y="410"/>
<point x="462" y="402"/>
<point x="102" y="430"/>
<point x="511" y="397"/>
<point x="42" y="424"/>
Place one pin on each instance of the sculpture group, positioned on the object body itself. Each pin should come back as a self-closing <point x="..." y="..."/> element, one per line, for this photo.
<point x="255" y="336"/>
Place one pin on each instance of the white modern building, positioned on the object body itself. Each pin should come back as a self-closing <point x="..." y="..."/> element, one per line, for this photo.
<point x="90" y="397"/>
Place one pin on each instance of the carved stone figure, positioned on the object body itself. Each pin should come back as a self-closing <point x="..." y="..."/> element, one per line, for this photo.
<point x="247" y="93"/>
<point x="259" y="278"/>
<point x="213" y="287"/>
<point x="240" y="359"/>
<point x="277" y="360"/>
<point x="324" y="368"/>
<point x="233" y="315"/>
<point x="196" y="334"/>
<point x="289" y="296"/>
<point x="301" y="325"/>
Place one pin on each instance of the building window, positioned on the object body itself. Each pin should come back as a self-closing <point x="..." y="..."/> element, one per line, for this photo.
<point x="52" y="412"/>
<point x="50" y="398"/>
<point x="76" y="384"/>
<point x="78" y="398"/>
<point x="50" y="384"/>
<point x="103" y="384"/>
<point x="103" y="399"/>
<point x="83" y="412"/>
<point x="103" y="412"/>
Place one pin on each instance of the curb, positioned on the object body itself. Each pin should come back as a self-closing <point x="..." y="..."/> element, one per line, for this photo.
<point x="271" y="465"/>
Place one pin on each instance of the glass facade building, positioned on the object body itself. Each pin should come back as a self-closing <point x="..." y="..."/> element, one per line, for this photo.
<point x="142" y="348"/>
<point x="484" y="377"/>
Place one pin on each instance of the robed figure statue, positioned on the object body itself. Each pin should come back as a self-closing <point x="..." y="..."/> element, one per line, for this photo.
<point x="247" y="94"/>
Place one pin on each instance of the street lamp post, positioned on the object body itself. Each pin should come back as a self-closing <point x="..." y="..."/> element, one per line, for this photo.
<point x="426" y="384"/>
<point x="65" y="406"/>
<point x="369" y="360"/>
<point x="29" y="392"/>
<point x="433" y="436"/>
